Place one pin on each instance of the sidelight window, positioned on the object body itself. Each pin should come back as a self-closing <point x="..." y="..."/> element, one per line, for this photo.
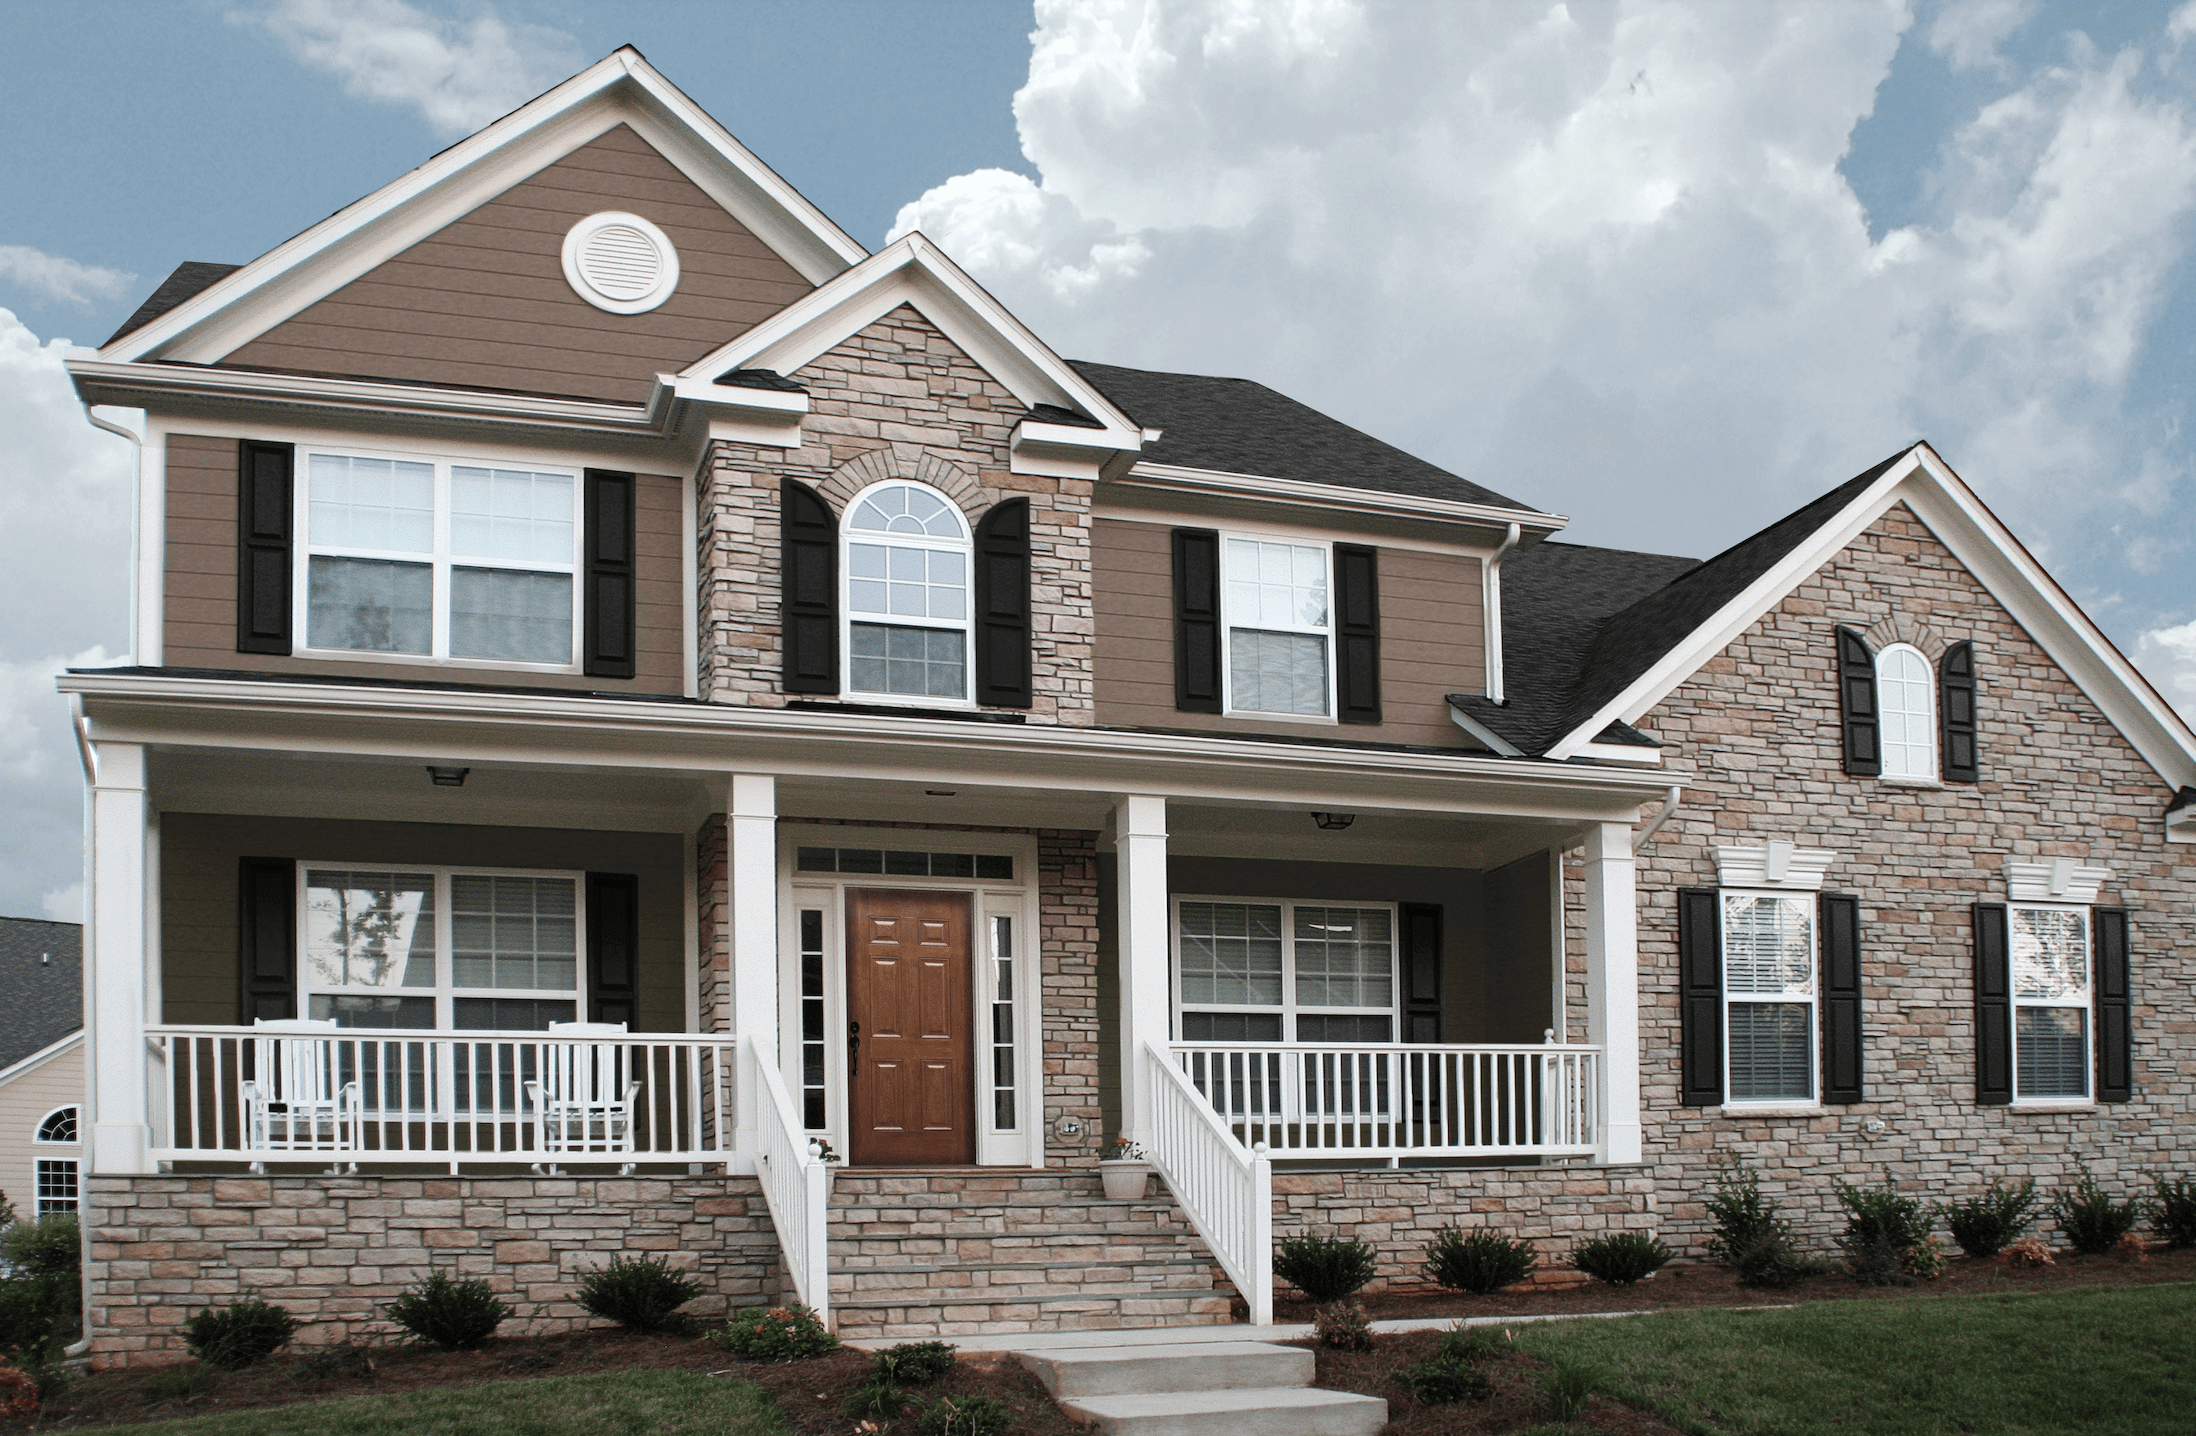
<point x="907" y="595"/>
<point x="1271" y="972"/>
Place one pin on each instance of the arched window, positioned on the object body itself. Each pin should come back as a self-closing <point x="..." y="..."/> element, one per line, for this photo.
<point x="907" y="594"/>
<point x="56" y="1178"/>
<point x="59" y="1125"/>
<point x="1906" y="696"/>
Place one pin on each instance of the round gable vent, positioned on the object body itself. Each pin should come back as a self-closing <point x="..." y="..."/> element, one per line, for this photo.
<point x="620" y="262"/>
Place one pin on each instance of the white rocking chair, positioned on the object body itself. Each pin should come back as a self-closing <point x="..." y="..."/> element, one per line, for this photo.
<point x="296" y="1099"/>
<point x="583" y="1100"/>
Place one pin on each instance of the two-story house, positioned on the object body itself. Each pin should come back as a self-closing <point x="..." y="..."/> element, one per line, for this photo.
<point x="637" y="699"/>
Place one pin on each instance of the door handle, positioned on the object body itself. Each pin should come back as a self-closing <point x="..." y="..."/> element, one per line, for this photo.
<point x="853" y="1050"/>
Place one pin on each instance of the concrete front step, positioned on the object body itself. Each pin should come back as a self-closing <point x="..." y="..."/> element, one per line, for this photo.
<point x="1119" y="1310"/>
<point x="1268" y="1411"/>
<point x="1018" y="1283"/>
<point x="1079" y="1371"/>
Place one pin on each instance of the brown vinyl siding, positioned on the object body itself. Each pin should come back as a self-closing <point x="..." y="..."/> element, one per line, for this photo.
<point x="483" y="302"/>
<point x="199" y="854"/>
<point x="200" y="587"/>
<point x="1431" y="642"/>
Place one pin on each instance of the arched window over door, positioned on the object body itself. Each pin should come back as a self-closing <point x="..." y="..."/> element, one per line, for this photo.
<point x="907" y="595"/>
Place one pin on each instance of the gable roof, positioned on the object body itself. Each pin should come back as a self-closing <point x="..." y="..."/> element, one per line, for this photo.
<point x="41" y="985"/>
<point x="1239" y="426"/>
<point x="623" y="88"/>
<point x="189" y="278"/>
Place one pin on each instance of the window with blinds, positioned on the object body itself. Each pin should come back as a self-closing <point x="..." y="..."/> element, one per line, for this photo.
<point x="2051" y="1001"/>
<point x="1270" y="972"/>
<point x="1278" y="627"/>
<point x="1769" y="991"/>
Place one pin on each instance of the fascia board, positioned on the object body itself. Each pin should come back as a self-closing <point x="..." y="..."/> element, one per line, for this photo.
<point x="1622" y="753"/>
<point x="41" y="1057"/>
<point x="620" y="89"/>
<point x="1742" y="612"/>
<point x="1147" y="475"/>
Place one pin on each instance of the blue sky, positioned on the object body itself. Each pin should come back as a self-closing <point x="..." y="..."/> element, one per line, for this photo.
<point x="1670" y="268"/>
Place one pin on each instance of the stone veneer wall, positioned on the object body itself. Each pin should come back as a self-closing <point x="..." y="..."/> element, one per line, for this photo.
<point x="1759" y="726"/>
<point x="334" y="1250"/>
<point x="897" y="400"/>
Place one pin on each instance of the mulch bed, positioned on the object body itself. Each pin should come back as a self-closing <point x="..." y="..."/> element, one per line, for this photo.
<point x="1514" y="1404"/>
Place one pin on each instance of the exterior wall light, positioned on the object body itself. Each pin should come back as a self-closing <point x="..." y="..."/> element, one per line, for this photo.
<point x="447" y="777"/>
<point x="1334" y="822"/>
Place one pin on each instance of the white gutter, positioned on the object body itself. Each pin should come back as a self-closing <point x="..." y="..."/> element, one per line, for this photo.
<point x="1490" y="598"/>
<point x="137" y="510"/>
<point x="1671" y="802"/>
<point x="1363" y="501"/>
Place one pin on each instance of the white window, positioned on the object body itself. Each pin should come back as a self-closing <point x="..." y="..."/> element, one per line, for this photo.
<point x="2050" y="1003"/>
<point x="1906" y="695"/>
<point x="433" y="559"/>
<point x="1769" y="997"/>
<point x="907" y="595"/>
<point x="59" y="1125"/>
<point x="428" y="948"/>
<point x="56" y="1177"/>
<point x="1274" y="598"/>
<point x="1284" y="971"/>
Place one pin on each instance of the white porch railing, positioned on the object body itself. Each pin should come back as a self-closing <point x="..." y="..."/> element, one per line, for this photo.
<point x="1226" y="1191"/>
<point x="348" y="1095"/>
<point x="1316" y="1100"/>
<point x="795" y="1183"/>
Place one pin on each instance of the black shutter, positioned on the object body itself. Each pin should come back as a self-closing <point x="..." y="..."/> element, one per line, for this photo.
<point x="611" y="575"/>
<point x="1841" y="997"/>
<point x="1700" y="997"/>
<point x="1357" y="632"/>
<point x="1197" y="620"/>
<point x="266" y="924"/>
<point x="1857" y="705"/>
<point x="2114" y="1001"/>
<point x="1956" y="714"/>
<point x="1993" y="1007"/>
<point x="613" y="947"/>
<point x="1421" y="934"/>
<point x="1002" y="606"/>
<point x="808" y="578"/>
<point x="264" y="529"/>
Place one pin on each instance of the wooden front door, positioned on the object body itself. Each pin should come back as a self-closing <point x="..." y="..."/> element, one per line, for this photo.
<point x="912" y="1098"/>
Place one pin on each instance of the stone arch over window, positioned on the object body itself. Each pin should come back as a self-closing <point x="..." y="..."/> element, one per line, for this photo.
<point x="1898" y="628"/>
<point x="904" y="461"/>
<point x="909" y="600"/>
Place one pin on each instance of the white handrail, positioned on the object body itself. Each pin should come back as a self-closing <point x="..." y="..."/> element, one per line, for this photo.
<point x="1226" y="1191"/>
<point x="794" y="1182"/>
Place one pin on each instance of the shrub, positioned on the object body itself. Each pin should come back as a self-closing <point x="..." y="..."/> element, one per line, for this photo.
<point x="878" y="1398"/>
<point x="1880" y="1214"/>
<point x="2027" y="1252"/>
<point x="1566" y="1387"/>
<point x="1774" y="1263"/>
<point x="1325" y="1268"/>
<point x="2173" y="1216"/>
<point x="639" y="1293"/>
<point x="964" y="1416"/>
<point x="50" y="1246"/>
<point x="1476" y="1343"/>
<point x="1479" y="1263"/>
<point x="452" y="1315"/>
<point x="1343" y="1327"/>
<point x="1983" y="1225"/>
<point x="243" y="1333"/>
<point x="342" y="1358"/>
<point x="1875" y="1262"/>
<point x="1442" y="1379"/>
<point x="2131" y="1248"/>
<point x="776" y="1333"/>
<point x="914" y="1363"/>
<point x="18" y="1394"/>
<point x="2092" y="1222"/>
<point x="1621" y="1258"/>
<point x="1924" y="1259"/>
<point x="1744" y="1218"/>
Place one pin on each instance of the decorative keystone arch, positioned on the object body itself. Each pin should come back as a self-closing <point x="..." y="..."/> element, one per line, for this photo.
<point x="904" y="461"/>
<point x="1899" y="628"/>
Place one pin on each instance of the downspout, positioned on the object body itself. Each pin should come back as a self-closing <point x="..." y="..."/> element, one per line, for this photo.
<point x="137" y="505"/>
<point x="1671" y="802"/>
<point x="1491" y="601"/>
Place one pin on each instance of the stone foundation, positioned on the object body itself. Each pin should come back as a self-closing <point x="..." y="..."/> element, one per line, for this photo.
<point x="334" y="1250"/>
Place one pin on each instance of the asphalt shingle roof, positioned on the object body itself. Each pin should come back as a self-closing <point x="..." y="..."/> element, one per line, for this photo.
<point x="189" y="278"/>
<point x="41" y="985"/>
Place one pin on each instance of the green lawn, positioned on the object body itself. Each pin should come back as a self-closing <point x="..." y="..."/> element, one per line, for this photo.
<point x="621" y="1403"/>
<point x="2099" y="1361"/>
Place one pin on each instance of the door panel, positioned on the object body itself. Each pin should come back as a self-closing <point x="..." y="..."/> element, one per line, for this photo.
<point x="912" y="1096"/>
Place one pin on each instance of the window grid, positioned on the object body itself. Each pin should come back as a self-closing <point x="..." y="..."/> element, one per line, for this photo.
<point x="1769" y="976"/>
<point x="1003" y="1117"/>
<point x="814" y="1110"/>
<point x="1250" y="971"/>
<point x="1275" y="600"/>
<point x="907" y="595"/>
<point x="59" y="1125"/>
<point x="2051" y="1003"/>
<point x="56" y="1187"/>
<point x="1906" y="701"/>
<point x="432" y="559"/>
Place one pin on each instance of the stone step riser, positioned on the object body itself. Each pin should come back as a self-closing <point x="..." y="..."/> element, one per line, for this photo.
<point x="1073" y="1372"/>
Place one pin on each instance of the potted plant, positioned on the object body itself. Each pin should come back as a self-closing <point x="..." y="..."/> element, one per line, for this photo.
<point x="1124" y="1171"/>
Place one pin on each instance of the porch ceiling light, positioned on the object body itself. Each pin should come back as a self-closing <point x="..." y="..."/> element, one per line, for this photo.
<point x="447" y="777"/>
<point x="1334" y="822"/>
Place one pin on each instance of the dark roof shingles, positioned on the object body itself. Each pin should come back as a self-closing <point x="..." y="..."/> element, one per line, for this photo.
<point x="43" y="1001"/>
<point x="190" y="278"/>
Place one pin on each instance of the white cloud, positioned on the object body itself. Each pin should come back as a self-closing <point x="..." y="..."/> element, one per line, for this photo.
<point x="1967" y="33"/>
<point x="61" y="279"/>
<point x="460" y="75"/>
<point x="2167" y="657"/>
<point x="64" y="904"/>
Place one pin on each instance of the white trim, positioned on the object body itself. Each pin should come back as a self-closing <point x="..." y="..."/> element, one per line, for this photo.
<point x="2180" y="825"/>
<point x="1776" y="865"/>
<point x="622" y="88"/>
<point x="2054" y="880"/>
<point x="39" y="1126"/>
<point x="1265" y="488"/>
<point x="1639" y="755"/>
<point x="2086" y="1004"/>
<point x="40" y="1058"/>
<point x="574" y="254"/>
<point x="1324" y="632"/>
<point x="1493" y="741"/>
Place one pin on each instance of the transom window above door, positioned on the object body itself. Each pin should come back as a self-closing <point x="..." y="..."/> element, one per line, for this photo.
<point x="436" y="559"/>
<point x="1277" y="615"/>
<point x="440" y="949"/>
<point x="1274" y="972"/>
<point x="907" y="594"/>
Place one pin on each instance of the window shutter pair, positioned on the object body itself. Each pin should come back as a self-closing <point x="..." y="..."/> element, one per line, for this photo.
<point x="1958" y="748"/>
<point x="2111" y="1003"/>
<point x="1700" y="997"/>
<point x="266" y="537"/>
<point x="808" y="557"/>
<point x="1197" y="621"/>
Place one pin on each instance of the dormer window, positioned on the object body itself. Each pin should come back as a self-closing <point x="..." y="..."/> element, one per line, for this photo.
<point x="1279" y="660"/>
<point x="907" y="595"/>
<point x="1905" y="694"/>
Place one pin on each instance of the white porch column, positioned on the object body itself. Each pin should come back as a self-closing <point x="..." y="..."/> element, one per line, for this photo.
<point x="1140" y="837"/>
<point x="115" y="958"/>
<point x="751" y="902"/>
<point x="1612" y="985"/>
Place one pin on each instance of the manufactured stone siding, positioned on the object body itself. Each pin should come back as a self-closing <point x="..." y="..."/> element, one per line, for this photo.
<point x="1758" y="725"/>
<point x="897" y="400"/>
<point x="334" y="1250"/>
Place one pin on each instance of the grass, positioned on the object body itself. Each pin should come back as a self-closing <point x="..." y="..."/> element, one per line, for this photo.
<point x="2097" y="1361"/>
<point x="620" y="1403"/>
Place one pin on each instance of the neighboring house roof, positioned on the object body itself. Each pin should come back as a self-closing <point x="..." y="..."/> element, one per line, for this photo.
<point x="190" y="277"/>
<point x="41" y="985"/>
<point x="1239" y="426"/>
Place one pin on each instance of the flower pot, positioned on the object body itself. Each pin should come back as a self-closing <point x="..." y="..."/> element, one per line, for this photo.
<point x="1125" y="1181"/>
